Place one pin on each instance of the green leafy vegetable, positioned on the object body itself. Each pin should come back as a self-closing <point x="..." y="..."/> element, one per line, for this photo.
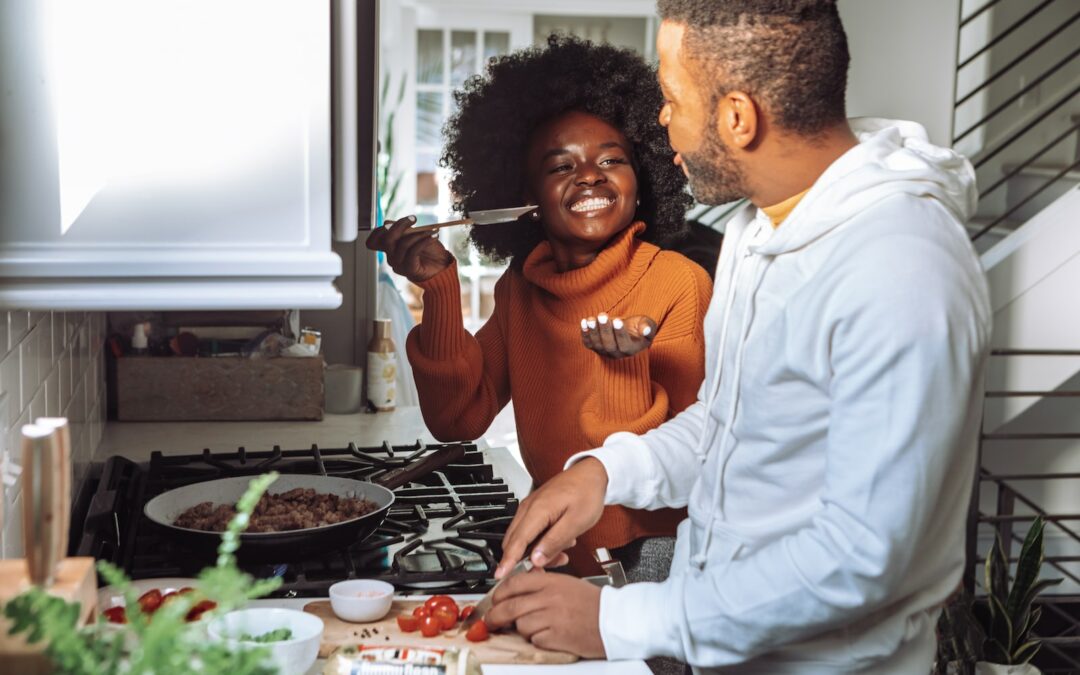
<point x="276" y="635"/>
<point x="168" y="645"/>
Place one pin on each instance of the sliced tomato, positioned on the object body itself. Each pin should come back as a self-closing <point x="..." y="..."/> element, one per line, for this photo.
<point x="150" y="601"/>
<point x="201" y="607"/>
<point x="186" y="589"/>
<point x="466" y="612"/>
<point x="421" y="612"/>
<point x="407" y="623"/>
<point x="169" y="596"/>
<point x="115" y="615"/>
<point x="446" y="615"/>
<point x="429" y="626"/>
<point x="440" y="601"/>
<point x="478" y="632"/>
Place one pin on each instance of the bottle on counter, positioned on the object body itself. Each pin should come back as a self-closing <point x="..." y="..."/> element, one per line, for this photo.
<point x="381" y="368"/>
<point x="139" y="340"/>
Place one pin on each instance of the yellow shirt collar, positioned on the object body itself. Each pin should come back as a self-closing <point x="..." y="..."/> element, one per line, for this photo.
<point x="778" y="212"/>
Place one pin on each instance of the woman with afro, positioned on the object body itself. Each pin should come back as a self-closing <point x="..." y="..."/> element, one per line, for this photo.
<point x="595" y="328"/>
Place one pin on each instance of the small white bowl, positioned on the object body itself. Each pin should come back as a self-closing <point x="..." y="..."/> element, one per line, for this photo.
<point x="361" y="600"/>
<point x="290" y="657"/>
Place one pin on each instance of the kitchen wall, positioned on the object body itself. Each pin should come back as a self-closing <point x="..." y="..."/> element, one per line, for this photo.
<point x="51" y="364"/>
<point x="903" y="57"/>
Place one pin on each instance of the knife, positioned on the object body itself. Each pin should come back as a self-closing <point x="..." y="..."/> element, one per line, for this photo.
<point x="486" y="602"/>
<point x="488" y="217"/>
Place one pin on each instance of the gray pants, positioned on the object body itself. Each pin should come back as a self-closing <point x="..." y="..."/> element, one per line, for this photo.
<point x="649" y="559"/>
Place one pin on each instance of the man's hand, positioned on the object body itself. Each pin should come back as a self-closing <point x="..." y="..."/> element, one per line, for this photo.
<point x="417" y="256"/>
<point x="617" y="338"/>
<point x="564" y="507"/>
<point x="552" y="611"/>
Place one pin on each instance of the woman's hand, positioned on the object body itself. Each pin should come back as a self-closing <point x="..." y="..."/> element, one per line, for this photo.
<point x="417" y="256"/>
<point x="615" y="337"/>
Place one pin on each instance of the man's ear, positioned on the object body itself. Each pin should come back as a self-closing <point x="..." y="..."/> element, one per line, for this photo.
<point x="737" y="119"/>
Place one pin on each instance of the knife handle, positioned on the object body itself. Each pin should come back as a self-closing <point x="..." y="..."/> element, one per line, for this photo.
<point x="438" y="226"/>
<point x="395" y="478"/>
<point x="44" y="504"/>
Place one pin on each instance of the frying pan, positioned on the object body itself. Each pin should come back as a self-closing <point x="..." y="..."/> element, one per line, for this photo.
<point x="291" y="545"/>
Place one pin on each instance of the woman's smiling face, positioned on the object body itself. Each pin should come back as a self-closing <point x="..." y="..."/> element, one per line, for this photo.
<point x="580" y="173"/>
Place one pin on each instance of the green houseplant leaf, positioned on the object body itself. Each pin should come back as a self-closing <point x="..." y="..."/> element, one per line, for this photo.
<point x="166" y="645"/>
<point x="1011" y="616"/>
<point x="1027" y="568"/>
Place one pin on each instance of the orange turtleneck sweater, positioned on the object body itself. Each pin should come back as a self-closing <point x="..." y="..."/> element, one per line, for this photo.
<point x="566" y="397"/>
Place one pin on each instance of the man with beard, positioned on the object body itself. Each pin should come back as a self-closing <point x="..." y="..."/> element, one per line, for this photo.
<point x="828" y="462"/>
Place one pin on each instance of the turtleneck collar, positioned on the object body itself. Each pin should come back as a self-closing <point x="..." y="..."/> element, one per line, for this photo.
<point x="598" y="286"/>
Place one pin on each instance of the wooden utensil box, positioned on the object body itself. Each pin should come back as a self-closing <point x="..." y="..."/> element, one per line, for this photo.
<point x="76" y="581"/>
<point x="216" y="389"/>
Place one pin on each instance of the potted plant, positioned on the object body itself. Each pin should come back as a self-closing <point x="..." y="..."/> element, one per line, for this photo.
<point x="167" y="645"/>
<point x="1010" y="616"/>
<point x="994" y="637"/>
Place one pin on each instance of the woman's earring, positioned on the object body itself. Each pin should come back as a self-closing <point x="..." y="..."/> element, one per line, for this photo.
<point x="639" y="201"/>
<point x="535" y="215"/>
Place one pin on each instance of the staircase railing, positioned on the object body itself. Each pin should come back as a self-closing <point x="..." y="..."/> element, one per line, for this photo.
<point x="1014" y="507"/>
<point x="1015" y="141"/>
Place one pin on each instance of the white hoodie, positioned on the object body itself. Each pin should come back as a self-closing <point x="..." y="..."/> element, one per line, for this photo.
<point x="828" y="461"/>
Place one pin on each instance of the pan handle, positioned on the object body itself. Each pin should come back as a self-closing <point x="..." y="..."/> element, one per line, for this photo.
<point x="395" y="478"/>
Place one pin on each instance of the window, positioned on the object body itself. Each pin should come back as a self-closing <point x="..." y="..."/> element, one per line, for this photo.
<point x="441" y="47"/>
<point x="445" y="58"/>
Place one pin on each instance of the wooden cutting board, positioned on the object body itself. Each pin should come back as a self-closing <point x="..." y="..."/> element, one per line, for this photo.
<point x="499" y="648"/>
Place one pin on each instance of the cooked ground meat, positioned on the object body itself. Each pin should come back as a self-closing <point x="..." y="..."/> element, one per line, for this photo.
<point x="293" y="510"/>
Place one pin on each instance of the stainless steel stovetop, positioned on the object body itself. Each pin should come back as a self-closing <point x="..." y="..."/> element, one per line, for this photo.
<point x="443" y="531"/>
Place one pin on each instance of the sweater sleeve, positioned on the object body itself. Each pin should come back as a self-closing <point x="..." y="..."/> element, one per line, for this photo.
<point x="643" y="391"/>
<point x="462" y="380"/>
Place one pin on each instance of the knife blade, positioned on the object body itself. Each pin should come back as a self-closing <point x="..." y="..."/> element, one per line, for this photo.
<point x="485" y="217"/>
<point x="487" y="601"/>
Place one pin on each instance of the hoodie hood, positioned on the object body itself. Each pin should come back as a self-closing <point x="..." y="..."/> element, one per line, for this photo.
<point x="893" y="157"/>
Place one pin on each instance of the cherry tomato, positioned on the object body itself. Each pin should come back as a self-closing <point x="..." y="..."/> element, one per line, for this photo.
<point x="446" y="615"/>
<point x="466" y="612"/>
<point x="407" y="623"/>
<point x="150" y="601"/>
<point x="440" y="600"/>
<point x="196" y="612"/>
<point x="115" y="615"/>
<point x="429" y="626"/>
<point x="421" y="612"/>
<point x="478" y="632"/>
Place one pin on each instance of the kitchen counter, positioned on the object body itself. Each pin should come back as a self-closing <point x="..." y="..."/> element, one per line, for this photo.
<point x="580" y="668"/>
<point x="136" y="440"/>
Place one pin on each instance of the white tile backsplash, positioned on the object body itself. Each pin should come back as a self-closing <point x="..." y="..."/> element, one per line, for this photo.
<point x="18" y="327"/>
<point x="52" y="393"/>
<point x="51" y="363"/>
<point x="13" y="526"/>
<point x="11" y="383"/>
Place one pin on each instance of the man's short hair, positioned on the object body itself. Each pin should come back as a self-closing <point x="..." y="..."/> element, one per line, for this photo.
<point x="791" y="56"/>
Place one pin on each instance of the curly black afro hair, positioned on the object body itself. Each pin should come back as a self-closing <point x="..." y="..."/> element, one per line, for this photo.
<point x="487" y="139"/>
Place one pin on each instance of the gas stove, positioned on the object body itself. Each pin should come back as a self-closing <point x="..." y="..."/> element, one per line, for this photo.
<point x="443" y="531"/>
